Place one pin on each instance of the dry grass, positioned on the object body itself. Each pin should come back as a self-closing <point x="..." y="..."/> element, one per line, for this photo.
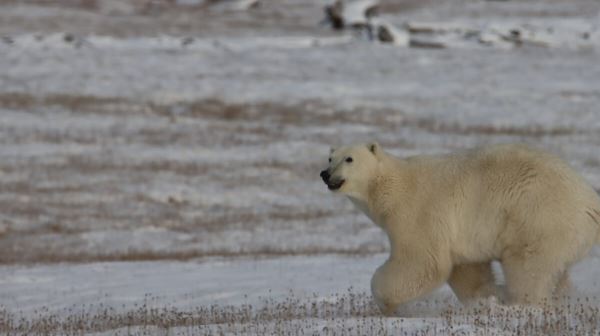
<point x="83" y="4"/>
<point x="305" y="113"/>
<point x="574" y="317"/>
<point x="349" y="313"/>
<point x="50" y="199"/>
<point x="23" y="101"/>
<point x="433" y="125"/>
<point x="206" y="320"/>
<point x="8" y="257"/>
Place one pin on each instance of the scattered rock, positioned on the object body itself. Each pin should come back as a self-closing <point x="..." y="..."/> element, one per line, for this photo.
<point x="236" y="5"/>
<point x="420" y="42"/>
<point x="187" y="41"/>
<point x="388" y="33"/>
<point x="76" y="40"/>
<point x="492" y="39"/>
<point x="360" y="15"/>
<point x="355" y="14"/>
<point x="69" y="38"/>
<point x="525" y="35"/>
<point x="498" y="36"/>
<point x="175" y="199"/>
<point x="439" y="28"/>
<point x="333" y="15"/>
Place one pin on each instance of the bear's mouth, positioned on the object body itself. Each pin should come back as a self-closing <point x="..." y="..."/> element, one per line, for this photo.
<point x="335" y="185"/>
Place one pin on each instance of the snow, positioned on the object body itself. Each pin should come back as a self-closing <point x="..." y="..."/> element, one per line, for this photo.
<point x="171" y="156"/>
<point x="184" y="284"/>
<point x="59" y="289"/>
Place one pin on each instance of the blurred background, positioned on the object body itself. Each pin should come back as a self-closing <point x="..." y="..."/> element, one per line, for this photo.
<point x="194" y="130"/>
<point x="161" y="129"/>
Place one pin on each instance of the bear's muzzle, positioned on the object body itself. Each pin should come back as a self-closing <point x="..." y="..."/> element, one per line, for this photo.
<point x="325" y="176"/>
<point x="331" y="185"/>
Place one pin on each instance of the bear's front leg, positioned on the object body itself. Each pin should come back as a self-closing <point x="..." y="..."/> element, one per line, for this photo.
<point x="474" y="281"/>
<point x="399" y="281"/>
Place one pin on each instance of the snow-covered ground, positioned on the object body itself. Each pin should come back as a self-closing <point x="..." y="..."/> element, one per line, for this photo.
<point x="168" y="292"/>
<point x="170" y="151"/>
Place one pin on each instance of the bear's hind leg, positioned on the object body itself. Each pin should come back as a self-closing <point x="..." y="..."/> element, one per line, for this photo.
<point x="531" y="280"/>
<point x="473" y="281"/>
<point x="563" y="287"/>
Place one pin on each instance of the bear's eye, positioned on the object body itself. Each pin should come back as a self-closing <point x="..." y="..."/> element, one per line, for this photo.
<point x="349" y="159"/>
<point x="329" y="159"/>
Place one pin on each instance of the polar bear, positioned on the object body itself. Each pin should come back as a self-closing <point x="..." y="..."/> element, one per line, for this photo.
<point x="448" y="217"/>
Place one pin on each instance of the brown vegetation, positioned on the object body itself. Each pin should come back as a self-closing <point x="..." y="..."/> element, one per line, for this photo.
<point x="306" y="113"/>
<point x="350" y="313"/>
<point x="72" y="192"/>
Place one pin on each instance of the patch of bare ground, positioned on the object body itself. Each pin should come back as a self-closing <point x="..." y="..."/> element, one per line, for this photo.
<point x="83" y="4"/>
<point x="348" y="313"/>
<point x="157" y="17"/>
<point x="433" y="125"/>
<point x="383" y="119"/>
<point x="24" y="101"/>
<point x="49" y="199"/>
<point x="90" y="165"/>
<point x="138" y="7"/>
<point x="8" y="257"/>
<point x="468" y="8"/>
<point x="573" y="94"/>
<point x="228" y="220"/>
<point x="305" y="113"/>
<point x="394" y="6"/>
<point x="206" y="109"/>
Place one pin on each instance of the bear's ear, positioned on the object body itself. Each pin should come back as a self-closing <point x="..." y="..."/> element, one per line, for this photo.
<point x="331" y="150"/>
<point x="374" y="148"/>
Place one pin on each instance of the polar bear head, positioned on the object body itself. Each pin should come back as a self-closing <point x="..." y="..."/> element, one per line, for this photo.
<point x="351" y="168"/>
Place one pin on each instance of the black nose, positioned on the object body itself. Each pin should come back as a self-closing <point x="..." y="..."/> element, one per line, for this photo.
<point x="325" y="176"/>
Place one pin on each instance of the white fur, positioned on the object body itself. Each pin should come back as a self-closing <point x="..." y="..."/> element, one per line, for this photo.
<point x="448" y="216"/>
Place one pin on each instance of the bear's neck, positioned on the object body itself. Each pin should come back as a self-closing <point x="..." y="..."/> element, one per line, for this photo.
<point x="389" y="203"/>
<point x="385" y="192"/>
